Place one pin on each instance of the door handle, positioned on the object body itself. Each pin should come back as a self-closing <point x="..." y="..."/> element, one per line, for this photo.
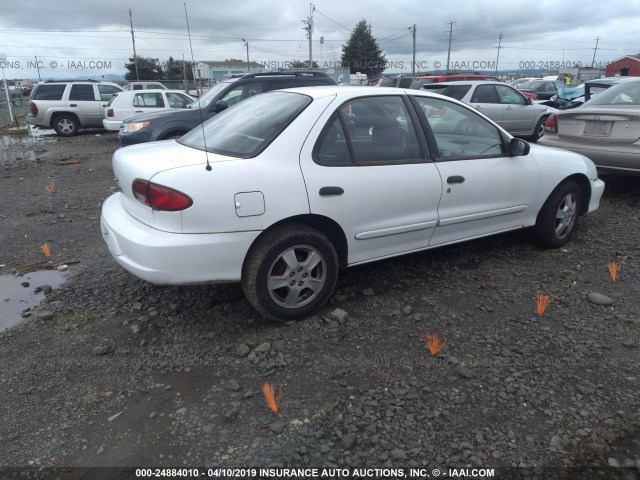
<point x="73" y="104"/>
<point x="329" y="191"/>
<point x="455" y="179"/>
<point x="138" y="111"/>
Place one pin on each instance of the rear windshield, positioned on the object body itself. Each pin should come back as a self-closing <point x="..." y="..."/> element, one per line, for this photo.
<point x="48" y="92"/>
<point x="247" y="128"/>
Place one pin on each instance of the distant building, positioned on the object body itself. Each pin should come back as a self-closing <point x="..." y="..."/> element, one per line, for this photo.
<point x="627" y="66"/>
<point x="217" y="71"/>
<point x="580" y="75"/>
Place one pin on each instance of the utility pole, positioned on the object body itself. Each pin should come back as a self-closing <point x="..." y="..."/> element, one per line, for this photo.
<point x="246" y="44"/>
<point x="594" y="52"/>
<point x="499" y="47"/>
<point x="309" y="29"/>
<point x="413" y="63"/>
<point x="449" y="50"/>
<point x="38" y="67"/>
<point x="133" y="40"/>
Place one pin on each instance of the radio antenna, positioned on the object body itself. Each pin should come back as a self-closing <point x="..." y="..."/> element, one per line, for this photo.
<point x="204" y="137"/>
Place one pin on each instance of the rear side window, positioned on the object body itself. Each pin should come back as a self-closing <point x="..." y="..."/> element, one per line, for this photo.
<point x="454" y="91"/>
<point x="151" y="100"/>
<point x="48" y="92"/>
<point x="81" y="92"/>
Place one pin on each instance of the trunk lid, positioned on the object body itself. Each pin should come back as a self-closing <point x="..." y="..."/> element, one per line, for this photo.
<point x="611" y="124"/>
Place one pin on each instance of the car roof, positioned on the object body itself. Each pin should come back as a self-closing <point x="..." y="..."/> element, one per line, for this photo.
<point x="461" y="82"/>
<point x="357" y="91"/>
<point x="155" y="90"/>
<point x="610" y="80"/>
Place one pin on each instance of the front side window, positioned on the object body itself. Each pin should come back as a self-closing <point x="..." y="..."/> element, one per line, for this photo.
<point x="148" y="100"/>
<point x="107" y="92"/>
<point x="369" y="131"/>
<point x="81" y="92"/>
<point x="509" y="96"/>
<point x="459" y="132"/>
<point x="178" y="100"/>
<point x="242" y="92"/>
<point x="247" y="129"/>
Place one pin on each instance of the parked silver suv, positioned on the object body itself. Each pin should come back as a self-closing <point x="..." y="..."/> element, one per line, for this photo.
<point x="67" y="106"/>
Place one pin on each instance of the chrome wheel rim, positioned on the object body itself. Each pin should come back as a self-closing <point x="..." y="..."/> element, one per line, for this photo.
<point x="566" y="215"/>
<point x="65" y="125"/>
<point x="297" y="276"/>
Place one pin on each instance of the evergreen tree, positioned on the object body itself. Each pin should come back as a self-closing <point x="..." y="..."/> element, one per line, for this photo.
<point x="174" y="69"/>
<point x="362" y="53"/>
<point x="148" y="69"/>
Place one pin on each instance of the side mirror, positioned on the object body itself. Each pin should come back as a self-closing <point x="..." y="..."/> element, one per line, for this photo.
<point x="527" y="101"/>
<point x="220" y="105"/>
<point x="518" y="147"/>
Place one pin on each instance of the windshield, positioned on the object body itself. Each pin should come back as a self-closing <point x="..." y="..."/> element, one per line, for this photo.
<point x="205" y="99"/>
<point x="622" y="94"/>
<point x="250" y="126"/>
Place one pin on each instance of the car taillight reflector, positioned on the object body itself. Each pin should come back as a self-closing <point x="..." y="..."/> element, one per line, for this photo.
<point x="33" y="108"/>
<point x="551" y="125"/>
<point x="110" y="112"/>
<point x="160" y="197"/>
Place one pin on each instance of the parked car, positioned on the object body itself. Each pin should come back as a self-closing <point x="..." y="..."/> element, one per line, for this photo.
<point x="419" y="81"/>
<point x="593" y="87"/>
<point x="146" y="86"/>
<point x="606" y="129"/>
<point x="281" y="190"/>
<point x="544" y="89"/>
<point x="69" y="105"/>
<point x="503" y="104"/>
<point x="133" y="102"/>
<point x="516" y="83"/>
<point x="148" y="127"/>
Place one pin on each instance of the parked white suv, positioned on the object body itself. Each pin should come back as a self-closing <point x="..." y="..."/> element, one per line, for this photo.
<point x="130" y="102"/>
<point x="67" y="106"/>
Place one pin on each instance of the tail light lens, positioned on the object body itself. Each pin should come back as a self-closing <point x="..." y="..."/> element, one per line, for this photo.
<point x="110" y="112"/>
<point x="551" y="125"/>
<point x="160" y="197"/>
<point x="33" y="108"/>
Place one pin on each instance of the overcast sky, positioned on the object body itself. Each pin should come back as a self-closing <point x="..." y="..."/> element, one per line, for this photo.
<point x="82" y="37"/>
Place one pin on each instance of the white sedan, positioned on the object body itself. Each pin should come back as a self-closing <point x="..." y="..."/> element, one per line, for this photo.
<point x="285" y="188"/>
<point x="132" y="102"/>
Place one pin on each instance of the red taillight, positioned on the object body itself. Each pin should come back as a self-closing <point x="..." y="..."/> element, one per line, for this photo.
<point x="551" y="125"/>
<point x="160" y="197"/>
<point x="110" y="112"/>
<point x="33" y="108"/>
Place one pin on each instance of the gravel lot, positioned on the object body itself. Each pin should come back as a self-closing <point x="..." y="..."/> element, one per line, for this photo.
<point x="112" y="371"/>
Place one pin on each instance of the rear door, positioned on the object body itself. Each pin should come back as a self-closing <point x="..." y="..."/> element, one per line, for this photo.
<point x="373" y="176"/>
<point x="85" y="104"/>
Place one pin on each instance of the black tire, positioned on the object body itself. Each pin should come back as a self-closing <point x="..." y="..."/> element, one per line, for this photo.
<point x="65" y="125"/>
<point x="313" y="286"/>
<point x="558" y="218"/>
<point x="538" y="132"/>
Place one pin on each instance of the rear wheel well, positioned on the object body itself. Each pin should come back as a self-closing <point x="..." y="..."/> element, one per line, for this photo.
<point x="328" y="227"/>
<point x="67" y="114"/>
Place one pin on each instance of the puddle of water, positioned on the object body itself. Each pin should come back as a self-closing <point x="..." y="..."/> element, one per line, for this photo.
<point x="15" y="298"/>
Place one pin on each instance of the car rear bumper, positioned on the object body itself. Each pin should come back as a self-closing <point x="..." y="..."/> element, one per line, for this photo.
<point x="166" y="258"/>
<point x="111" y="125"/>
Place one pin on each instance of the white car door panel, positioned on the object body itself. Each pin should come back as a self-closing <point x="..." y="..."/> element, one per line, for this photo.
<point x="384" y="197"/>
